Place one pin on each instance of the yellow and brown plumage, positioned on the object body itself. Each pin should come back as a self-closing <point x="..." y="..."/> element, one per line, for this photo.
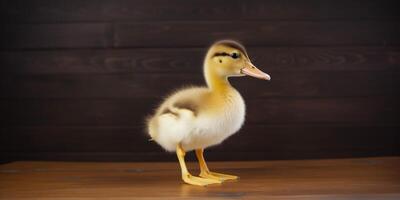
<point x="198" y="117"/>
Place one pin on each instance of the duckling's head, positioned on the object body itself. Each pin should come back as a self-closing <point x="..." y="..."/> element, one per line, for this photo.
<point x="226" y="58"/>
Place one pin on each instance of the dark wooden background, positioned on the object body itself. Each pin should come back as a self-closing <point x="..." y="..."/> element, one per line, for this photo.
<point x="79" y="77"/>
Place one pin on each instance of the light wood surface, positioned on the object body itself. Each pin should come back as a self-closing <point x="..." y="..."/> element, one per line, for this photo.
<point x="366" y="178"/>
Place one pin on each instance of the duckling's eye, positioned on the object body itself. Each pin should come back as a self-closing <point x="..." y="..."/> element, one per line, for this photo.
<point x="235" y="55"/>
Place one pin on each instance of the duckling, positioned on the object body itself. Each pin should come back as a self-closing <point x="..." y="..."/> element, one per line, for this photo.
<point x="195" y="118"/>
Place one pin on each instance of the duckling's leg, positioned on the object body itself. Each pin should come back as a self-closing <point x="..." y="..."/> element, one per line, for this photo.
<point x="205" y="172"/>
<point x="186" y="176"/>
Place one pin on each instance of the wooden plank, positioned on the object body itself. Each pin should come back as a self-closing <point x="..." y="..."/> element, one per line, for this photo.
<point x="122" y="10"/>
<point x="133" y="85"/>
<point x="314" y="9"/>
<point x="37" y="36"/>
<point x="264" y="141"/>
<point x="131" y="112"/>
<point x="118" y="10"/>
<point x="76" y="139"/>
<point x="190" y="60"/>
<point x="174" y="34"/>
<point x="259" y="33"/>
<point x="323" y="110"/>
<point x="341" y="179"/>
<point x="105" y="61"/>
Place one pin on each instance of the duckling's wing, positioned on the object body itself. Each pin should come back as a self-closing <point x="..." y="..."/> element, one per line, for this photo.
<point x="189" y="99"/>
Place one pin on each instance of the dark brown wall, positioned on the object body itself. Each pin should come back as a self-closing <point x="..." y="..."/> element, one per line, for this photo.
<point x="79" y="77"/>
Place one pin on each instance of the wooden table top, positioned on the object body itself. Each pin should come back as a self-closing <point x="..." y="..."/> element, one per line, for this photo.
<point x="364" y="178"/>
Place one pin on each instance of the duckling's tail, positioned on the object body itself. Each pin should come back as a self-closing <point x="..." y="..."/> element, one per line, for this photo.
<point x="170" y="128"/>
<point x="152" y="128"/>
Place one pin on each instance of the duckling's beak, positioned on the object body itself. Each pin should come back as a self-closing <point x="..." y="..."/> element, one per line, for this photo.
<point x="253" y="71"/>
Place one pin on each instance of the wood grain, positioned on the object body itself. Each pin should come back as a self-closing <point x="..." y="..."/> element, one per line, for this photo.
<point x="202" y="34"/>
<point x="317" y="10"/>
<point x="140" y="85"/>
<point x="279" y="142"/>
<point x="50" y="36"/>
<point x="123" y="10"/>
<point x="343" y="179"/>
<point x="189" y="60"/>
<point x="260" y="33"/>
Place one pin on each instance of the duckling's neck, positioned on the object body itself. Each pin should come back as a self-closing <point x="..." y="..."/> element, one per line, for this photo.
<point x="216" y="83"/>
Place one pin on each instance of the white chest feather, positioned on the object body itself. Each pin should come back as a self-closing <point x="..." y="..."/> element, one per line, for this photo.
<point x="212" y="129"/>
